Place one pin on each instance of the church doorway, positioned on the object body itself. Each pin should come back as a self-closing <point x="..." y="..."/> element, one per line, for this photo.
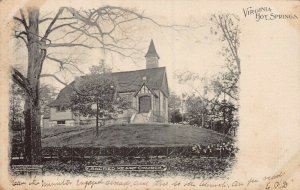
<point x="144" y="104"/>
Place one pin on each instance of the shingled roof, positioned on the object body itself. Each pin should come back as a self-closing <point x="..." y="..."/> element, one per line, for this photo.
<point x="63" y="96"/>
<point x="129" y="81"/>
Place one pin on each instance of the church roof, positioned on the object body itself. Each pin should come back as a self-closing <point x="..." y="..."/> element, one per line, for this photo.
<point x="151" y="51"/>
<point x="128" y="81"/>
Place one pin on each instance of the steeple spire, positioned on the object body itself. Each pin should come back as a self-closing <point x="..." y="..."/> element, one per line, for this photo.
<point x="151" y="56"/>
<point x="152" y="51"/>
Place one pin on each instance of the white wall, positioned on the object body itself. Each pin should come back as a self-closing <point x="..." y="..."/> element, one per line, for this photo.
<point x="45" y="123"/>
<point x="163" y="107"/>
<point x="68" y="123"/>
<point x="65" y="115"/>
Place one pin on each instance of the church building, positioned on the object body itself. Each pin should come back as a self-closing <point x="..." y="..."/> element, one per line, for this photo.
<point x="146" y="90"/>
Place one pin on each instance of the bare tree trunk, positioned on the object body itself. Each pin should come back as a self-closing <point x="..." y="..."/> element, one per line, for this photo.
<point x="36" y="56"/>
<point x="202" y="115"/>
<point x="32" y="141"/>
<point x="231" y="37"/>
<point x="97" y="120"/>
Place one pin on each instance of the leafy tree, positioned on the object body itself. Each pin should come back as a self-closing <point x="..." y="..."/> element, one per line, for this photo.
<point x="225" y="115"/>
<point x="227" y="109"/>
<point x="217" y="99"/>
<point x="197" y="109"/>
<point x="175" y="116"/>
<point x="102" y="28"/>
<point x="215" y="105"/>
<point x="16" y="106"/>
<point x="226" y="26"/>
<point x="174" y="106"/>
<point x="95" y="95"/>
<point x="225" y="84"/>
<point x="47" y="95"/>
<point x="174" y="101"/>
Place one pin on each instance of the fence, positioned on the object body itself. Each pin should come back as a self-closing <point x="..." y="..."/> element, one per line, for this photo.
<point x="80" y="153"/>
<point x="91" y="152"/>
<point x="94" y="152"/>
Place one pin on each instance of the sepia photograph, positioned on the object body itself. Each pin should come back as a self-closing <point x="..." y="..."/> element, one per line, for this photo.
<point x="145" y="90"/>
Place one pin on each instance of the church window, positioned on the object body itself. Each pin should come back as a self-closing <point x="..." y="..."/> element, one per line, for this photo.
<point x="61" y="122"/>
<point x="61" y="109"/>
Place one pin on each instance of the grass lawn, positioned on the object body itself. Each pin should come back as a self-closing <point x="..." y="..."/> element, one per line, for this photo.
<point x="132" y="135"/>
<point x="137" y="135"/>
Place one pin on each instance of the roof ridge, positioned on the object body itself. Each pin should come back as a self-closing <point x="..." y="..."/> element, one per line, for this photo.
<point x="127" y="81"/>
<point x="139" y="70"/>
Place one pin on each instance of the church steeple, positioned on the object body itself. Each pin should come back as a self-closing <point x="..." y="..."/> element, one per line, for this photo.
<point x="151" y="56"/>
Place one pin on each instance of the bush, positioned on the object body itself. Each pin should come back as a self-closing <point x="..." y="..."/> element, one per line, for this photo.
<point x="222" y="149"/>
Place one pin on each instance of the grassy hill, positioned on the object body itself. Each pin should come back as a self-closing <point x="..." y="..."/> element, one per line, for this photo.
<point x="134" y="135"/>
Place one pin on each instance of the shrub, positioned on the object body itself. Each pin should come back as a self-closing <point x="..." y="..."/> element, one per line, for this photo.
<point x="221" y="149"/>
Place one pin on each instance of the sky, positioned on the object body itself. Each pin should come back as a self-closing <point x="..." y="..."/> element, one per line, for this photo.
<point x="180" y="49"/>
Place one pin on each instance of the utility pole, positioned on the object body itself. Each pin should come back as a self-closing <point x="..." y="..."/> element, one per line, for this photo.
<point x="182" y="101"/>
<point x="202" y="119"/>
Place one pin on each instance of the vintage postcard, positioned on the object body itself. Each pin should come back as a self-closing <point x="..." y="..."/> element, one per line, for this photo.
<point x="148" y="94"/>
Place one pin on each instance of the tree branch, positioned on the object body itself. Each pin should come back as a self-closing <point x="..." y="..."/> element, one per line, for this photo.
<point x="19" y="35"/>
<point x="228" y="38"/>
<point x="141" y="16"/>
<point x="64" y="62"/>
<point x="70" y="45"/>
<point x="23" y="18"/>
<point x="21" y="80"/>
<point x="52" y="23"/>
<point x="50" y="19"/>
<point x="62" y="25"/>
<point x="22" y="22"/>
<point x="65" y="84"/>
<point x="55" y="77"/>
<point x="41" y="61"/>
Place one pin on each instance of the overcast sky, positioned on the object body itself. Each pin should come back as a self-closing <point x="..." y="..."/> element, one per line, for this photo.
<point x="180" y="49"/>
